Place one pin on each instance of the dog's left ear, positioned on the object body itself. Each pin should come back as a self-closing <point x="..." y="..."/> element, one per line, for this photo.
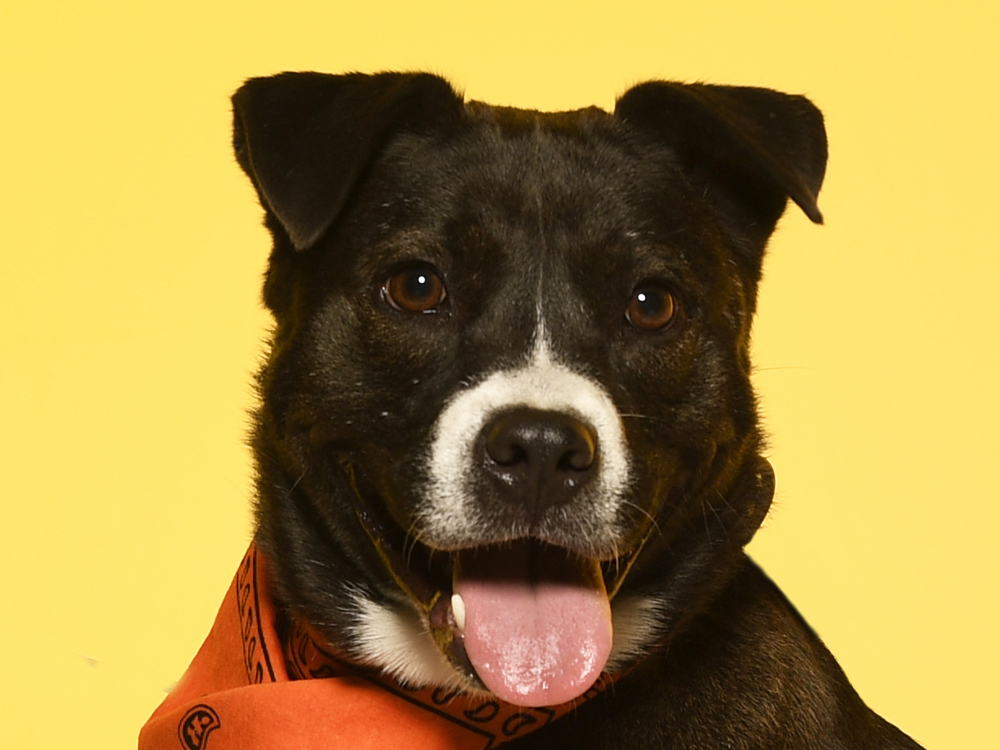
<point x="748" y="148"/>
<point x="306" y="139"/>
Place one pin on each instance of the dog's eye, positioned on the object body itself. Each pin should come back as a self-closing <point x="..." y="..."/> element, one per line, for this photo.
<point x="418" y="289"/>
<point x="651" y="308"/>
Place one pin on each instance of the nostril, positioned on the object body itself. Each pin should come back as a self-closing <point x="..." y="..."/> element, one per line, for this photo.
<point x="580" y="452"/>
<point x="505" y="452"/>
<point x="576" y="460"/>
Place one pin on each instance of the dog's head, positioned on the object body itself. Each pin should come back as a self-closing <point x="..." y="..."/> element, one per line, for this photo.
<point x="507" y="436"/>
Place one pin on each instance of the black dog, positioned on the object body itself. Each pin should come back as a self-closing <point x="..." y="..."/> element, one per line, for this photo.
<point x="507" y="440"/>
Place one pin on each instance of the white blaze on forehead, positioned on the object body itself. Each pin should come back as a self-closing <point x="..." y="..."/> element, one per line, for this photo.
<point x="542" y="384"/>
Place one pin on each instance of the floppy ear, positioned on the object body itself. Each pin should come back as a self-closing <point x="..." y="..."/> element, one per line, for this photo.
<point x="305" y="139"/>
<point x="757" y="147"/>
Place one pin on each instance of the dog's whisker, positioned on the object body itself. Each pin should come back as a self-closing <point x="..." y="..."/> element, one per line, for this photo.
<point x="715" y="513"/>
<point x="725" y="501"/>
<point x="410" y="541"/>
<point x="785" y="367"/>
<point x="649" y="516"/>
<point x="295" y="484"/>
<point x="647" y="417"/>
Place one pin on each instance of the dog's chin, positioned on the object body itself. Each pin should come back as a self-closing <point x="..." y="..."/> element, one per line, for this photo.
<point x="524" y="619"/>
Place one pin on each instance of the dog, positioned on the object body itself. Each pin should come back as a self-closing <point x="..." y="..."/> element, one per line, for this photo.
<point x="507" y="443"/>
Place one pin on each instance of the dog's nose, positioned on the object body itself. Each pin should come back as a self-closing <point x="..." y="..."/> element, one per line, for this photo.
<point x="539" y="459"/>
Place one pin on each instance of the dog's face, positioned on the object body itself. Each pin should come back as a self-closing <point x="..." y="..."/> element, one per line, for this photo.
<point x="507" y="437"/>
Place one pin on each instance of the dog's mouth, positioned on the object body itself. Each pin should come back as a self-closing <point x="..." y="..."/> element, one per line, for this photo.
<point x="526" y="620"/>
<point x="535" y="620"/>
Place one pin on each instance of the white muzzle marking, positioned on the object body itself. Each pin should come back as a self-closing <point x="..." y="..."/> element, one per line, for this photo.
<point x="449" y="516"/>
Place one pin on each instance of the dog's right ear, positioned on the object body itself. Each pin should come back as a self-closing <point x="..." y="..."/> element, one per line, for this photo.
<point x="750" y="148"/>
<point x="305" y="139"/>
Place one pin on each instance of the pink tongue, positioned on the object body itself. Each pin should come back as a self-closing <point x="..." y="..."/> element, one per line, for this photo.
<point x="537" y="622"/>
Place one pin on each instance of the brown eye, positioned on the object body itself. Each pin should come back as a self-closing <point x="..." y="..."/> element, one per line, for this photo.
<point x="418" y="289"/>
<point x="651" y="308"/>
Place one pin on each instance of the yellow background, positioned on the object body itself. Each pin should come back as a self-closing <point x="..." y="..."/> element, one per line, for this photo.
<point x="131" y="251"/>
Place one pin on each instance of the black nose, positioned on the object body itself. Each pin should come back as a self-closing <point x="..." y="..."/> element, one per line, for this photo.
<point x="538" y="459"/>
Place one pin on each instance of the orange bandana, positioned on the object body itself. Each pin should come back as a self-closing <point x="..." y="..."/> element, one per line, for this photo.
<point x="246" y="690"/>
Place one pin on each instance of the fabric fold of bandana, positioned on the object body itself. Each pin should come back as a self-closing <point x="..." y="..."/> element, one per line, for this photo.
<point x="247" y="690"/>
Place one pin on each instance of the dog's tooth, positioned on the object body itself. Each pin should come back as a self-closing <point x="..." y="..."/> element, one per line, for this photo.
<point x="458" y="609"/>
